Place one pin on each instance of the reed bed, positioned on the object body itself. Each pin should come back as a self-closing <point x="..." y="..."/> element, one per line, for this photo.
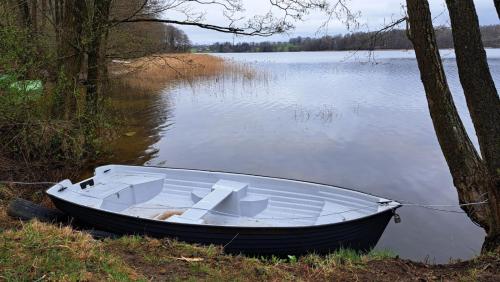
<point x="154" y="72"/>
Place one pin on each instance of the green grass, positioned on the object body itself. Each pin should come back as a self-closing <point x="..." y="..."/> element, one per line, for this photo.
<point x="38" y="251"/>
<point x="43" y="252"/>
<point x="345" y="257"/>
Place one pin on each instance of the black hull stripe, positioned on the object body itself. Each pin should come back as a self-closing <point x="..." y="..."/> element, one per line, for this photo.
<point x="361" y="235"/>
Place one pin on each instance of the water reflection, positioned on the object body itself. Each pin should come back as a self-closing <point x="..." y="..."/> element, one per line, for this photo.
<point x="326" y="117"/>
<point x="146" y="114"/>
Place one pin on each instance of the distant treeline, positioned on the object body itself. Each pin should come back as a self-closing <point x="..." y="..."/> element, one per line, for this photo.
<point x="392" y="39"/>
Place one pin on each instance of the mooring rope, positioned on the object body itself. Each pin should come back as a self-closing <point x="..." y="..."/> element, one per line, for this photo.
<point x="447" y="205"/>
<point x="27" y="183"/>
<point x="436" y="207"/>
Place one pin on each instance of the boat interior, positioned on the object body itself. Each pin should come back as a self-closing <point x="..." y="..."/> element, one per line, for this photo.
<point x="215" y="198"/>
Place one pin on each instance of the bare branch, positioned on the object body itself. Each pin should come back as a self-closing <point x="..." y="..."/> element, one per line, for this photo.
<point x="279" y="19"/>
<point x="225" y="29"/>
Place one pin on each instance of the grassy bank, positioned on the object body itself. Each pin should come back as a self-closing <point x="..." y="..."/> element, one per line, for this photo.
<point x="40" y="251"/>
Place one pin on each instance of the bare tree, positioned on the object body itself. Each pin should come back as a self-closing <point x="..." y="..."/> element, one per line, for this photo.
<point x="280" y="18"/>
<point x="470" y="173"/>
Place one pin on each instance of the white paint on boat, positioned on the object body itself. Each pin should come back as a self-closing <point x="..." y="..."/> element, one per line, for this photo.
<point x="218" y="198"/>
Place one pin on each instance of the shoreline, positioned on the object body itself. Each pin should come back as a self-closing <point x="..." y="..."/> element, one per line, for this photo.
<point x="137" y="258"/>
<point x="334" y="51"/>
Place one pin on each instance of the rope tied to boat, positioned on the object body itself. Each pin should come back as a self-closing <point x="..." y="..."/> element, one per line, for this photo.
<point x="437" y="207"/>
<point x="27" y="183"/>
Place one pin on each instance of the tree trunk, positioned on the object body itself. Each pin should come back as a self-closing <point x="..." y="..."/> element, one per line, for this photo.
<point x="34" y="14"/>
<point x="44" y="15"/>
<point x="481" y="96"/>
<point x="95" y="56"/>
<point x="70" y="21"/>
<point x="470" y="174"/>
<point x="25" y="12"/>
<point x="475" y="77"/>
<point x="497" y="6"/>
<point x="92" y="98"/>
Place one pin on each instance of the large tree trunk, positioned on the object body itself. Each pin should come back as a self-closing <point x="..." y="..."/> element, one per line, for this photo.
<point x="34" y="14"/>
<point x="481" y="96"/>
<point x="497" y="6"/>
<point x="70" y="21"/>
<point x="95" y="56"/>
<point x="44" y="15"/>
<point x="470" y="174"/>
<point x="475" y="77"/>
<point x="25" y="12"/>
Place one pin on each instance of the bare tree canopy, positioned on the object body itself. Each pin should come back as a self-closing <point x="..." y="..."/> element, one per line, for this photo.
<point x="280" y="18"/>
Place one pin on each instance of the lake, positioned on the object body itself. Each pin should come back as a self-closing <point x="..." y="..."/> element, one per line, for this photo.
<point x="357" y="120"/>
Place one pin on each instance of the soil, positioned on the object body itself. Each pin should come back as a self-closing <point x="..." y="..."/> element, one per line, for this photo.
<point x="484" y="268"/>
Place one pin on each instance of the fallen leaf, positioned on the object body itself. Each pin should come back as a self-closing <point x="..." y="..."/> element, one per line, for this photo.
<point x="130" y="134"/>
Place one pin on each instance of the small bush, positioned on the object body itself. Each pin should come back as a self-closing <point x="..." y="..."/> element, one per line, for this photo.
<point x="43" y="122"/>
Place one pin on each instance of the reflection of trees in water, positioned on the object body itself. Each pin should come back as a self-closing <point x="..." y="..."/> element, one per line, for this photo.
<point x="143" y="115"/>
<point x="146" y="112"/>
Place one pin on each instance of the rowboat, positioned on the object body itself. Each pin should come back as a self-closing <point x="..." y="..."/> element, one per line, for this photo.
<point x="245" y="213"/>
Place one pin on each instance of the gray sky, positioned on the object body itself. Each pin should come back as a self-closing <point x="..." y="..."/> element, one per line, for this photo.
<point x="373" y="15"/>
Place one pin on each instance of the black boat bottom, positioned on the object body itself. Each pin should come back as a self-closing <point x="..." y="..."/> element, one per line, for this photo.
<point x="360" y="234"/>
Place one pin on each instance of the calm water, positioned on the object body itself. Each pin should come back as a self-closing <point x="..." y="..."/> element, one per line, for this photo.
<point x="331" y="117"/>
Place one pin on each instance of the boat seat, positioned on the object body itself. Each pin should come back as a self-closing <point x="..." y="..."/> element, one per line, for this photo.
<point x="121" y="191"/>
<point x="330" y="213"/>
<point x="249" y="205"/>
<point x="223" y="198"/>
<point x="252" y="205"/>
<point x="197" y="195"/>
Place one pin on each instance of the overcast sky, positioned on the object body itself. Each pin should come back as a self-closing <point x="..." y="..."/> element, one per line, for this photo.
<point x="373" y="15"/>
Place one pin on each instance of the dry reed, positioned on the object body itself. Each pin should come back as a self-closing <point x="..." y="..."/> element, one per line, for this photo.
<point x="154" y="72"/>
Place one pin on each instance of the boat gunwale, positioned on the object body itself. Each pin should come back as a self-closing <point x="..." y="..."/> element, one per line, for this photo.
<point x="392" y="209"/>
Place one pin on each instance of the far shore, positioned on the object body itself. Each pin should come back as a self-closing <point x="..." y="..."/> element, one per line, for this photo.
<point x="339" y="51"/>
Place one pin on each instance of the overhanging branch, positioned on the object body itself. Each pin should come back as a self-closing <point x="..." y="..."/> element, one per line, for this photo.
<point x="225" y="29"/>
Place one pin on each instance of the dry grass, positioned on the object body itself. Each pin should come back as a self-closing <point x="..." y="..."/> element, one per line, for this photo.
<point x="152" y="73"/>
<point x="36" y="250"/>
<point x="39" y="251"/>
